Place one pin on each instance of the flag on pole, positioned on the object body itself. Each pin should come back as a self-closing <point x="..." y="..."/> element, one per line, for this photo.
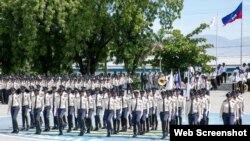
<point x="188" y="86"/>
<point x="236" y="14"/>
<point x="179" y="79"/>
<point x="213" y="22"/>
<point x="170" y="84"/>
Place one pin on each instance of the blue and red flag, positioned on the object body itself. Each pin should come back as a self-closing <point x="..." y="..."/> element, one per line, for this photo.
<point x="236" y="14"/>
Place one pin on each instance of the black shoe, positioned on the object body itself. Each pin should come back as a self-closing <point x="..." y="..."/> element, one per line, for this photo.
<point x="22" y="129"/>
<point x="103" y="128"/>
<point x="55" y="127"/>
<point x="13" y="132"/>
<point x="75" y="129"/>
<point x="163" y="137"/>
<point x="69" y="130"/>
<point x="60" y="133"/>
<point x="81" y="134"/>
<point x="96" y="129"/>
<point x="134" y="136"/>
<point x="108" y="135"/>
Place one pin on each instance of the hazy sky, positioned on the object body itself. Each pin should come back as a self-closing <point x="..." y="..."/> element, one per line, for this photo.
<point x="202" y="11"/>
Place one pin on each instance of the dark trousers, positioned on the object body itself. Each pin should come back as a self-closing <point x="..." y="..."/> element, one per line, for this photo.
<point x="136" y="122"/>
<point x="60" y="115"/>
<point x="218" y="79"/>
<point x="55" y="118"/>
<point x="228" y="119"/>
<point x="155" y="121"/>
<point x="248" y="83"/>
<point x="89" y="120"/>
<point x="2" y="96"/>
<point x="179" y="117"/>
<point x="32" y="119"/>
<point x="193" y="119"/>
<point x="14" y="112"/>
<point x="124" y="118"/>
<point x="204" y="117"/>
<point x="46" y="115"/>
<point x="81" y="114"/>
<point x="117" y="121"/>
<point x="109" y="116"/>
<point x="214" y="84"/>
<point x="71" y="111"/>
<point x="143" y="121"/>
<point x="164" y="116"/>
<point x="97" y="117"/>
<point x="224" y="77"/>
<point x="37" y="113"/>
<point x="25" y="116"/>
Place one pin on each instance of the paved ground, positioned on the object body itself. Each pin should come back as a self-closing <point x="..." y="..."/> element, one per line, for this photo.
<point x="5" y="125"/>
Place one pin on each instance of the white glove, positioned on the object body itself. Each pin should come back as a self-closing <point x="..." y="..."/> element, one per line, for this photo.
<point x="115" y="116"/>
<point x="86" y="115"/>
<point x="146" y="115"/>
<point x="29" y="110"/>
<point x="41" y="114"/>
<point x="169" y="119"/>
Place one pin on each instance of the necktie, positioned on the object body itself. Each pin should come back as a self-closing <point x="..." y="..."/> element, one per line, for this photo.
<point x="122" y="102"/>
<point x="229" y="107"/>
<point x="135" y="104"/>
<point x="191" y="108"/>
<point x="45" y="99"/>
<point x="163" y="105"/>
<point x="12" y="102"/>
<point x="22" y="99"/>
<point x="109" y="104"/>
<point x="60" y="102"/>
<point x="81" y="102"/>
<point x="69" y="99"/>
<point x="35" y="101"/>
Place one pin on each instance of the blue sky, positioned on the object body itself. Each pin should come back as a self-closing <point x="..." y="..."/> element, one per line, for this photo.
<point x="196" y="12"/>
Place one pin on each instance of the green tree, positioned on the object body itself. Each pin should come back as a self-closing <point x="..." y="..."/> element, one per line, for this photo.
<point x="180" y="51"/>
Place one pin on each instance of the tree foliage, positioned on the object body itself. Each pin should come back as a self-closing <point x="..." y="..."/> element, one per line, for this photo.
<point x="49" y="36"/>
<point x="179" y="51"/>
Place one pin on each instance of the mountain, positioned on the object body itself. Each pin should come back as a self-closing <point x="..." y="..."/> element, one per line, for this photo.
<point x="227" y="47"/>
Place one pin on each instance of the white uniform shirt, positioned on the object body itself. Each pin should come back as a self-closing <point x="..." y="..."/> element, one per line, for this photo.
<point x="84" y="105"/>
<point x="37" y="102"/>
<point x="168" y="105"/>
<point x="71" y="99"/>
<point x="225" y="107"/>
<point x="62" y="102"/>
<point x="139" y="106"/>
<point x="109" y="103"/>
<point x="48" y="101"/>
<point x="196" y="107"/>
<point x="25" y="99"/>
<point x="16" y="101"/>
<point x="91" y="102"/>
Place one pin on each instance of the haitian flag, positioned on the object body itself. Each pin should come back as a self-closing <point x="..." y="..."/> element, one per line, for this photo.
<point x="236" y="14"/>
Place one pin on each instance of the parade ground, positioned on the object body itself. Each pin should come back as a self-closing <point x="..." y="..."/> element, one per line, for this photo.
<point x="6" y="127"/>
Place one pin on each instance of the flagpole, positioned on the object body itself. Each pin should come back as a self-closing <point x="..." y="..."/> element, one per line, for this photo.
<point x="216" y="39"/>
<point x="241" y="36"/>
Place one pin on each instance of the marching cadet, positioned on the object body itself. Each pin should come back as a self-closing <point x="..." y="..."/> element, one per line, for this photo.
<point x="109" y="105"/>
<point x="47" y="108"/>
<point x="91" y="110"/>
<point x="81" y="109"/>
<point x="151" y="109"/>
<point x="117" y="115"/>
<point x="228" y="110"/>
<point x="32" y="95"/>
<point x="37" y="105"/>
<point x="61" y="106"/>
<point x="71" y="108"/>
<point x="14" y="105"/>
<point x="99" y="102"/>
<point x="154" y="113"/>
<point x="54" y="98"/>
<point x="124" y="116"/>
<point x="193" y="109"/>
<point x="137" y="108"/>
<point x="77" y="96"/>
<point x="26" y="104"/>
<point x="164" y="110"/>
<point x="144" y="112"/>
<point x="180" y="102"/>
<point x="240" y="105"/>
<point x="172" y="97"/>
